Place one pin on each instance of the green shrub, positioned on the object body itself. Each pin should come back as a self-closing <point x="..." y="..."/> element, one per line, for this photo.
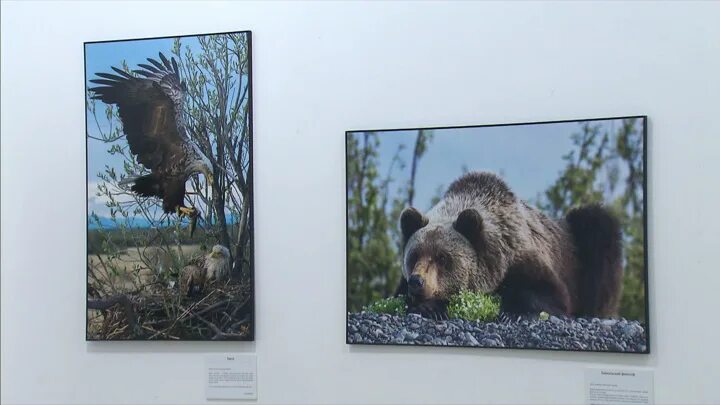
<point x="474" y="306"/>
<point x="391" y="306"/>
<point x="465" y="305"/>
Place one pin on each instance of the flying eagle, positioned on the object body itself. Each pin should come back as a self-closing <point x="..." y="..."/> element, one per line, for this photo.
<point x="213" y="267"/>
<point x="152" y="108"/>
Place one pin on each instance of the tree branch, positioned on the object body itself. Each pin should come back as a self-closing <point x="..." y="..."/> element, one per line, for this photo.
<point x="106" y="303"/>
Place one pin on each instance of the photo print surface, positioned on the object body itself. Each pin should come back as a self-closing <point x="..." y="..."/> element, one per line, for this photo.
<point x="169" y="188"/>
<point x="527" y="236"/>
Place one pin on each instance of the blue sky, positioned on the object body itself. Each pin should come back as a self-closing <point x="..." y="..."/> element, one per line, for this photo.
<point x="529" y="157"/>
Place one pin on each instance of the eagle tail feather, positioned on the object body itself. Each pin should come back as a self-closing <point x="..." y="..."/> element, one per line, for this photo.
<point x="146" y="186"/>
<point x="127" y="182"/>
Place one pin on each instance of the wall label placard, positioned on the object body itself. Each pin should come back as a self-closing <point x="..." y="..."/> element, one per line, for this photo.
<point x="613" y="386"/>
<point x="231" y="376"/>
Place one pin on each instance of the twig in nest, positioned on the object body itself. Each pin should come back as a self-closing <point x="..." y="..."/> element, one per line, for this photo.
<point x="219" y="334"/>
<point x="159" y="332"/>
<point x="178" y="318"/>
<point x="237" y="324"/>
<point x="106" y="303"/>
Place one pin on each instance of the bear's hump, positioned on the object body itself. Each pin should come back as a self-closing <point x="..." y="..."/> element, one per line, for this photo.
<point x="482" y="184"/>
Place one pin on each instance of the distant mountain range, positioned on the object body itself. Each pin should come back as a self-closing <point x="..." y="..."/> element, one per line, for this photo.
<point x="107" y="223"/>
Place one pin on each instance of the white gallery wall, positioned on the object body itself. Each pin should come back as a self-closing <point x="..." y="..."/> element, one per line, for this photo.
<point x="320" y="69"/>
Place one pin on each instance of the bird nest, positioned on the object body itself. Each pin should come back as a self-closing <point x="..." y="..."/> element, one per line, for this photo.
<point x="223" y="311"/>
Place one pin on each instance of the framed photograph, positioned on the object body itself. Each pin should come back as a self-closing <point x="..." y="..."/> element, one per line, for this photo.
<point x="523" y="236"/>
<point x="169" y="188"/>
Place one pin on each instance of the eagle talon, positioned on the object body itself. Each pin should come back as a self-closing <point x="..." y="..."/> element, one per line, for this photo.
<point x="186" y="212"/>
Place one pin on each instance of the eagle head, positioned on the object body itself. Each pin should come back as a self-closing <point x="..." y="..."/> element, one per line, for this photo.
<point x="220" y="251"/>
<point x="217" y="263"/>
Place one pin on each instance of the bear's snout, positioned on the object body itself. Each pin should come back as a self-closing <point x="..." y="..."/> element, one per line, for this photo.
<point x="415" y="284"/>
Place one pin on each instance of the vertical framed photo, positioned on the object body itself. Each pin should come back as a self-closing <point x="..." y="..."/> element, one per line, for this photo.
<point x="524" y="236"/>
<point x="170" y="188"/>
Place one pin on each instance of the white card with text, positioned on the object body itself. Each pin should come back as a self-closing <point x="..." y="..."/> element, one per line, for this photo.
<point x="231" y="376"/>
<point x="611" y="386"/>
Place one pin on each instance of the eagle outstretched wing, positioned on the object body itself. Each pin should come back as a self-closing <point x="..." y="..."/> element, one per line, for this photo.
<point x="151" y="108"/>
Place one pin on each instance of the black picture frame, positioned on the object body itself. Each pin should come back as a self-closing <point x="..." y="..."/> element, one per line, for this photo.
<point x="647" y="323"/>
<point x="251" y="311"/>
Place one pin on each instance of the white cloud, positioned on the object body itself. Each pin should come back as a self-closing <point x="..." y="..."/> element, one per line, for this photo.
<point x="96" y="199"/>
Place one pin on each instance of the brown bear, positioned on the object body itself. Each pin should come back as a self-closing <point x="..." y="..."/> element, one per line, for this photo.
<point x="481" y="237"/>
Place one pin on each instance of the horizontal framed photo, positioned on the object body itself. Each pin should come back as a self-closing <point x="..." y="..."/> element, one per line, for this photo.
<point x="522" y="236"/>
<point x="169" y="188"/>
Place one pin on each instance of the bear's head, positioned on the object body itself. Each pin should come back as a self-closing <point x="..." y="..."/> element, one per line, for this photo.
<point x="442" y="258"/>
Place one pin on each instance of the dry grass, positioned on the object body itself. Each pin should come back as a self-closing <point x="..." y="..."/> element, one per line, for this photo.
<point x="136" y="267"/>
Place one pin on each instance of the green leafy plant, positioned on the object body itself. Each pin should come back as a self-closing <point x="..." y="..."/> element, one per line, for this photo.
<point x="391" y="306"/>
<point x="473" y="306"/>
<point x="466" y="305"/>
<point x="544" y="316"/>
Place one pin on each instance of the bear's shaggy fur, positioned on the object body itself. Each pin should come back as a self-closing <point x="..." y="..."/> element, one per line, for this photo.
<point x="481" y="238"/>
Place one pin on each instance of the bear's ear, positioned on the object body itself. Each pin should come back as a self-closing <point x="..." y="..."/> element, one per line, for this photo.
<point x="469" y="224"/>
<point x="410" y="221"/>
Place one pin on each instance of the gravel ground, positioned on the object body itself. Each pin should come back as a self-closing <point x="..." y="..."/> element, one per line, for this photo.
<point x="616" y="335"/>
